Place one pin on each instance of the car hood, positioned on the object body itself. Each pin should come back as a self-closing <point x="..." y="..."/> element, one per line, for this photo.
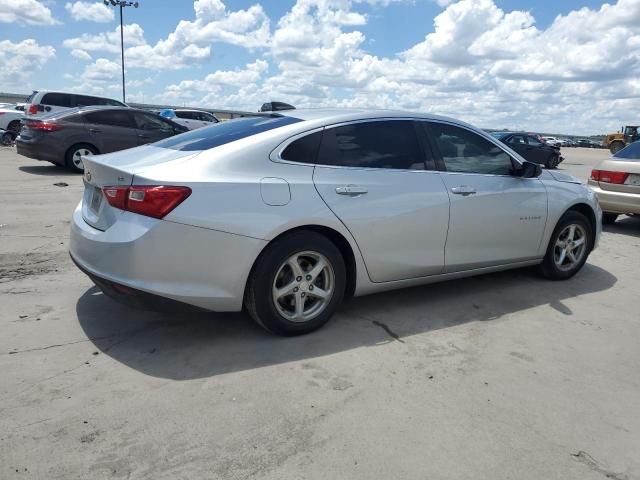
<point x="563" y="177"/>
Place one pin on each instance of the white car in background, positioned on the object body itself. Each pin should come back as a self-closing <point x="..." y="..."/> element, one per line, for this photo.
<point x="44" y="102"/>
<point x="191" y="119"/>
<point x="10" y="119"/>
<point x="553" y="141"/>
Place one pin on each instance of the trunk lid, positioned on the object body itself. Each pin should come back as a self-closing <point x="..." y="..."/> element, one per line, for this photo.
<point x="118" y="169"/>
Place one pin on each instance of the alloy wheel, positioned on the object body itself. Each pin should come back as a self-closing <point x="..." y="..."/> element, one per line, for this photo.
<point x="303" y="286"/>
<point x="77" y="157"/>
<point x="570" y="247"/>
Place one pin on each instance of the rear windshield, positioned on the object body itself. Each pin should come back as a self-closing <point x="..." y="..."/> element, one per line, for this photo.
<point x="224" y="132"/>
<point x="630" y="152"/>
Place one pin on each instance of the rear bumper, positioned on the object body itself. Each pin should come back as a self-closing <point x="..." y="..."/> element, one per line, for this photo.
<point x="141" y="257"/>
<point x="617" y="202"/>
<point x="39" y="152"/>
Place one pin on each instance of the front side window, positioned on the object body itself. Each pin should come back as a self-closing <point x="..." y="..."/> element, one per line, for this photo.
<point x="465" y="151"/>
<point x="146" y="121"/>
<point x="391" y="144"/>
<point x="517" y="140"/>
<point x="114" y="118"/>
<point x="534" y="141"/>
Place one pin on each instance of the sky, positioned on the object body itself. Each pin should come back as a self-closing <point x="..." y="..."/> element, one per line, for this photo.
<point x="568" y="66"/>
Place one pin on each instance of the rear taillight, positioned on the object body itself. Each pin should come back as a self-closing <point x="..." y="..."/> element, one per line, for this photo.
<point x="609" y="177"/>
<point x="32" y="110"/>
<point x="43" y="126"/>
<point x="150" y="200"/>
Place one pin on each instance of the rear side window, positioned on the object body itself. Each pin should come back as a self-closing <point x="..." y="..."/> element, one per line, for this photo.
<point x="303" y="150"/>
<point x="185" y="115"/>
<point x="224" y="132"/>
<point x="57" y="100"/>
<point x="391" y="144"/>
<point x="114" y="118"/>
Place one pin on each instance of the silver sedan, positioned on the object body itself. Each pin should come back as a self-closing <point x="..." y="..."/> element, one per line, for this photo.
<point x="287" y="214"/>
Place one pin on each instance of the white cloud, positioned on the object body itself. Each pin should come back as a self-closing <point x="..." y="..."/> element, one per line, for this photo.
<point x="81" y="54"/>
<point x="29" y="12"/>
<point x="91" y="11"/>
<point x="107" y="41"/>
<point x="102" y="70"/>
<point x="20" y="61"/>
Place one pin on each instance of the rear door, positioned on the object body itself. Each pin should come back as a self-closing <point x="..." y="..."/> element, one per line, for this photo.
<point x="496" y="218"/>
<point x="151" y="128"/>
<point x="111" y="130"/>
<point x="374" y="175"/>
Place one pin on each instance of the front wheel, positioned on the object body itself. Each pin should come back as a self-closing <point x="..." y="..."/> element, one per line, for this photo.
<point x="297" y="284"/>
<point x="568" y="248"/>
<point x="552" y="162"/>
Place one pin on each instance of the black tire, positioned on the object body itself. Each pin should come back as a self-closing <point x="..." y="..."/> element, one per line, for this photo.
<point x="72" y="152"/>
<point x="615" y="147"/>
<point x="549" y="268"/>
<point x="552" y="162"/>
<point x="609" y="218"/>
<point x="259" y="299"/>
<point x="14" y="127"/>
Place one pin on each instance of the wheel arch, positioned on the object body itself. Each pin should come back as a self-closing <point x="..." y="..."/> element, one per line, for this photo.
<point x="586" y="210"/>
<point x="337" y="238"/>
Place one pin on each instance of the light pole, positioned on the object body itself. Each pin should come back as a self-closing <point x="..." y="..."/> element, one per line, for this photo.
<point x="121" y="4"/>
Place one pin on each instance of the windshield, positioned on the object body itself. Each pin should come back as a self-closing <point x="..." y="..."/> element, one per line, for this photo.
<point x="630" y="152"/>
<point x="224" y="132"/>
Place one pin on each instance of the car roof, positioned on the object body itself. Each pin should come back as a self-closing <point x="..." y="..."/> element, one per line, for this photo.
<point x="338" y="115"/>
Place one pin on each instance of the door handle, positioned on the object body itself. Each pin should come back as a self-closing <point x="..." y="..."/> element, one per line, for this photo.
<point x="463" y="190"/>
<point x="351" y="190"/>
<point x="94" y="130"/>
<point x="142" y="135"/>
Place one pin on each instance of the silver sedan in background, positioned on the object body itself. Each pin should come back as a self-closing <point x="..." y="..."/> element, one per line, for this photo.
<point x="287" y="214"/>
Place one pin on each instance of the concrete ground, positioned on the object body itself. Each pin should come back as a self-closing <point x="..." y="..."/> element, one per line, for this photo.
<point x="505" y="376"/>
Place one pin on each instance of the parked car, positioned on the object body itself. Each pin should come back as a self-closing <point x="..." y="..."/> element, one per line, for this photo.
<point x="531" y="149"/>
<point x="65" y="137"/>
<point x="44" y="102"/>
<point x="553" y="141"/>
<point x="289" y="213"/>
<point x="584" y="143"/>
<point x="10" y="119"/>
<point x="191" y="119"/>
<point x="616" y="182"/>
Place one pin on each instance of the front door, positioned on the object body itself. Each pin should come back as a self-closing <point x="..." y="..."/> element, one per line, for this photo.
<point x="152" y="128"/>
<point x="376" y="179"/>
<point x="496" y="218"/>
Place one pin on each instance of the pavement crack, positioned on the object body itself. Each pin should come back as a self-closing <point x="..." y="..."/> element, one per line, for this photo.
<point x="593" y="464"/>
<point x="390" y="332"/>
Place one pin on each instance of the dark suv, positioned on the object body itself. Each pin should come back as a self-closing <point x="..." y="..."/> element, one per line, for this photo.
<point x="531" y="148"/>
<point x="64" y="137"/>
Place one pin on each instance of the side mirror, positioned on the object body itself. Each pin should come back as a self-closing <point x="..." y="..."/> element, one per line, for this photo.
<point x="530" y="170"/>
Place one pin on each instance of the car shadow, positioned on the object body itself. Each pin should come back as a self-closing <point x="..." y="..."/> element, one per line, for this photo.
<point x="625" y="225"/>
<point x="198" y="345"/>
<point x="49" y="170"/>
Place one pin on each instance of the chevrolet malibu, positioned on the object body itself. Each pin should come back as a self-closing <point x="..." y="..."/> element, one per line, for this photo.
<point x="287" y="214"/>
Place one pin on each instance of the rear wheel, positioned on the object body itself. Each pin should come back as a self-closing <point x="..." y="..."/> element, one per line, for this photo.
<point x="14" y="127"/>
<point x="568" y="248"/>
<point x="609" y="218"/>
<point x="73" y="159"/>
<point x="296" y="284"/>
